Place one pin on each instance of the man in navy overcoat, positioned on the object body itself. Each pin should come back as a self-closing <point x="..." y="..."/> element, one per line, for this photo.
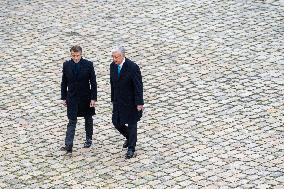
<point x="79" y="94"/>
<point x="126" y="97"/>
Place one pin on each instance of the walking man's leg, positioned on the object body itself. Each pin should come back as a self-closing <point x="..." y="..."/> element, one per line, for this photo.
<point x="122" y="129"/>
<point x="89" y="131"/>
<point x="132" y="133"/>
<point x="70" y="133"/>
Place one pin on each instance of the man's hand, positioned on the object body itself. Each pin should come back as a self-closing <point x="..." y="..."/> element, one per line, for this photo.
<point x="64" y="103"/>
<point x="92" y="103"/>
<point x="140" y="107"/>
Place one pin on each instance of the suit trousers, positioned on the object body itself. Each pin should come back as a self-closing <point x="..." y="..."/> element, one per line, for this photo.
<point x="71" y="127"/>
<point x="130" y="133"/>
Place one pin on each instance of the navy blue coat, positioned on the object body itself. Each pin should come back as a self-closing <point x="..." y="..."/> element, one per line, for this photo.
<point x="78" y="88"/>
<point x="126" y="92"/>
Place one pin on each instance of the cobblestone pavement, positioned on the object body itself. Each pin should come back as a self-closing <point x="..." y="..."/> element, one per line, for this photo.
<point x="213" y="76"/>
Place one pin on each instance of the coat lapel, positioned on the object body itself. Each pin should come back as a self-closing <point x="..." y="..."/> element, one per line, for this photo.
<point x="115" y="74"/>
<point x="70" y="69"/>
<point x="124" y="69"/>
<point x="80" y="67"/>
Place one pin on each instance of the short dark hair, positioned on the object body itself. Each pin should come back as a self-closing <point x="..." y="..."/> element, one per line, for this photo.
<point x="76" y="48"/>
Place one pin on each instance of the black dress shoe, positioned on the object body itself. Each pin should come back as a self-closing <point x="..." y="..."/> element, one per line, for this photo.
<point x="88" y="143"/>
<point x="129" y="154"/>
<point x="66" y="149"/>
<point x="125" y="144"/>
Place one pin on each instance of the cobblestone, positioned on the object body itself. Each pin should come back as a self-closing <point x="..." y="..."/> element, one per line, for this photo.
<point x="213" y="75"/>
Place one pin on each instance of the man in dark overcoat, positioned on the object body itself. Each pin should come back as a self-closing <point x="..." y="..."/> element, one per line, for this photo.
<point x="79" y="94"/>
<point x="126" y="97"/>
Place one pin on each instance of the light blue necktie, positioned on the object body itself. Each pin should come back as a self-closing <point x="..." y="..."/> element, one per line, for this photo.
<point x="118" y="70"/>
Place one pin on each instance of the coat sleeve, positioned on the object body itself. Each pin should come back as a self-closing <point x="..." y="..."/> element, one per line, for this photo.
<point x="111" y="84"/>
<point x="93" y="82"/>
<point x="138" y="85"/>
<point x="64" y="83"/>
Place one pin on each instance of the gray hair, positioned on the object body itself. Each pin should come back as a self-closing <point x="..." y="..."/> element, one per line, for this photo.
<point x="119" y="49"/>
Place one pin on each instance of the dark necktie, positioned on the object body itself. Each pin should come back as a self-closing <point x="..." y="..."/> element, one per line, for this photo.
<point x="76" y="70"/>
<point x="118" y="70"/>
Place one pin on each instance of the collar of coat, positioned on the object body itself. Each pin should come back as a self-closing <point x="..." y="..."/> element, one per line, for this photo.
<point x="123" y="69"/>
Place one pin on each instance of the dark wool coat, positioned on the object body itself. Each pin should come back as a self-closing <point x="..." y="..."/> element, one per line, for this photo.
<point x="78" y="88"/>
<point x="126" y="92"/>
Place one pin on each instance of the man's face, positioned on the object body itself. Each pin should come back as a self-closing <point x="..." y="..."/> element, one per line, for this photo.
<point x="76" y="56"/>
<point x="117" y="57"/>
